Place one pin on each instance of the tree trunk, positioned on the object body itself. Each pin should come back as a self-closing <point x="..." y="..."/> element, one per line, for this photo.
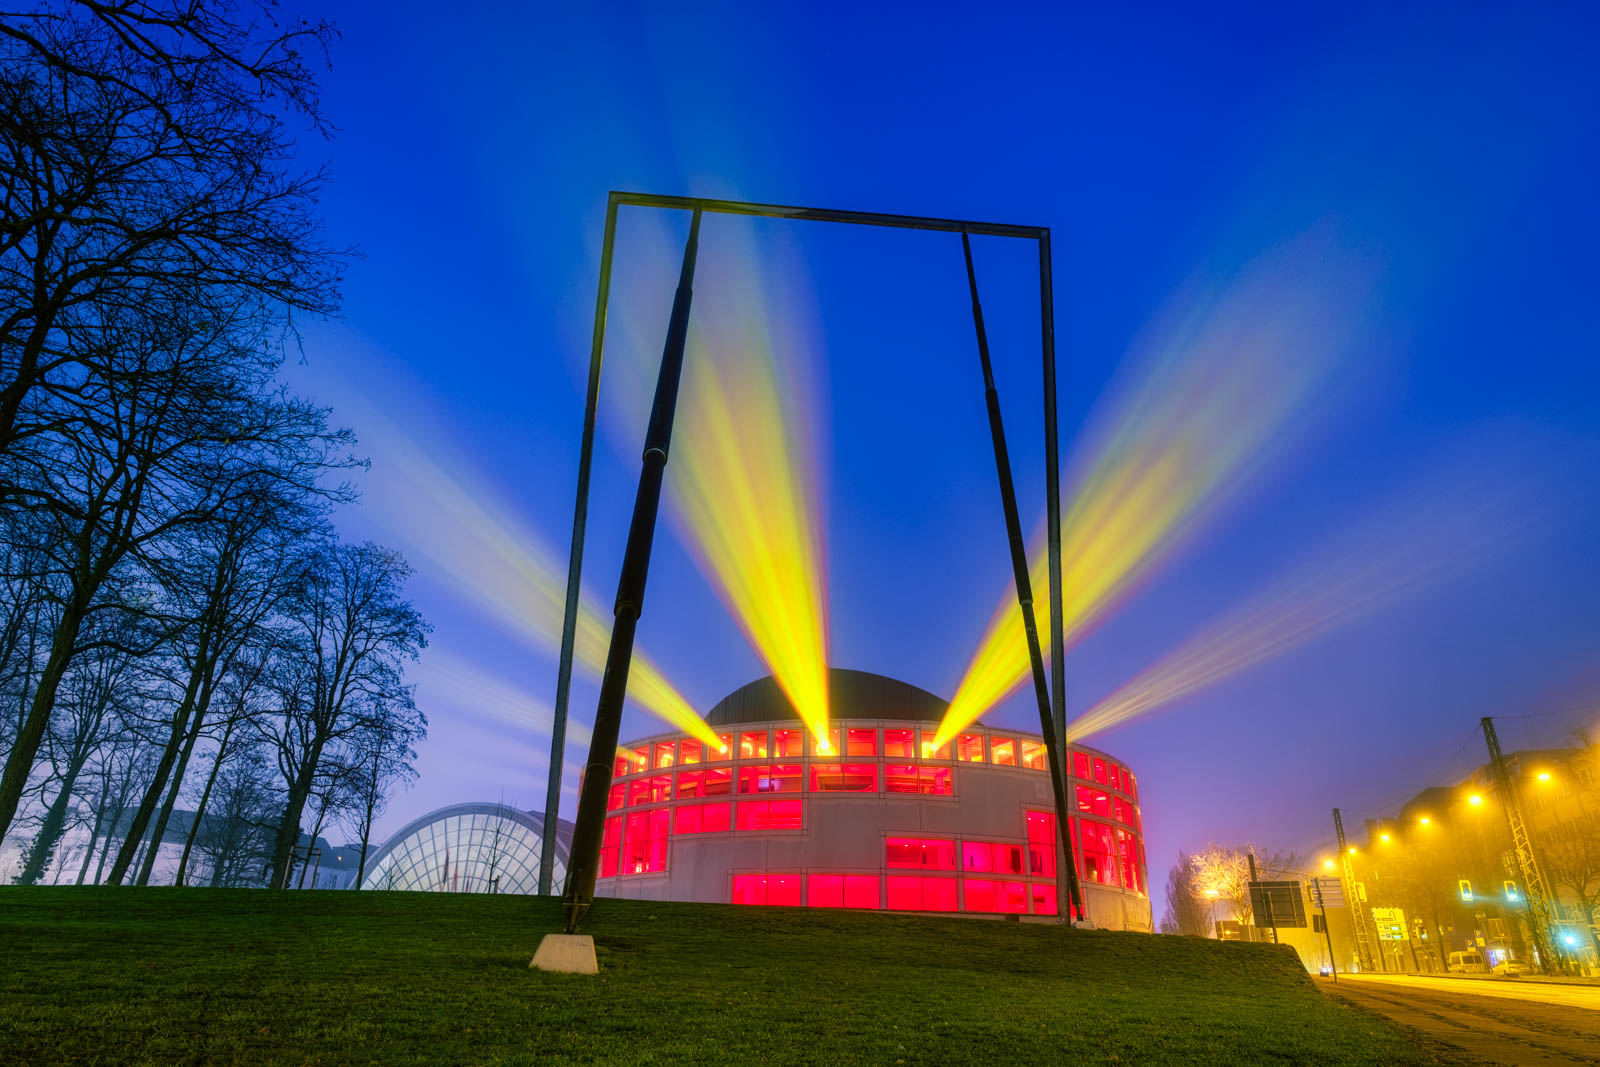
<point x="288" y="835"/>
<point x="94" y="836"/>
<point x="152" y="794"/>
<point x="20" y="763"/>
<point x="105" y="848"/>
<point x="177" y="783"/>
<point x="200" y="809"/>
<point x="50" y="831"/>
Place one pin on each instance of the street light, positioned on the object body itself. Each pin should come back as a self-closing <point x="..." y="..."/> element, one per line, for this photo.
<point x="1384" y="838"/>
<point x="1475" y="800"/>
<point x="1543" y="776"/>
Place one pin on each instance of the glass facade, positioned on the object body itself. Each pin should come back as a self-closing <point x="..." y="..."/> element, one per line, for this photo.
<point x="470" y="848"/>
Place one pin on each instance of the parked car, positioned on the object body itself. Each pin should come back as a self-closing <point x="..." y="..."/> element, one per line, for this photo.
<point x="1509" y="968"/>
<point x="1469" y="962"/>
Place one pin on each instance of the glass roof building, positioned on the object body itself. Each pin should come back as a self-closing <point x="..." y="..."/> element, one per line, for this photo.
<point x="468" y="848"/>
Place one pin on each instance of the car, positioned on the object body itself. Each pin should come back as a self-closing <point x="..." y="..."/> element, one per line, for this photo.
<point x="1468" y="962"/>
<point x="1511" y="968"/>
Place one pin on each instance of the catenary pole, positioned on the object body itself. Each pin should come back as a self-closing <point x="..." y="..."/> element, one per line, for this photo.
<point x="1019" y="570"/>
<point x="583" y="862"/>
<point x="580" y="519"/>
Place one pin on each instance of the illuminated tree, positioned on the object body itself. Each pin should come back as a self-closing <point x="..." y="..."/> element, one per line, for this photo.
<point x="1186" y="905"/>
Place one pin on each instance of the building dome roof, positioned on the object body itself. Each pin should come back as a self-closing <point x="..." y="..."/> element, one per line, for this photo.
<point x="851" y="695"/>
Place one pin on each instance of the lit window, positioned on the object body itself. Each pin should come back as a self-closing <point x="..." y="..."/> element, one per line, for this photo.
<point x="861" y="743"/>
<point x="689" y="750"/>
<point x="769" y="815"/>
<point x="611" y="847"/>
<point x="1080" y="766"/>
<point x="899" y="744"/>
<point x="842" y="891"/>
<point x="770" y="778"/>
<point x="773" y="889"/>
<point x="1002" y="751"/>
<point x="1044" y="898"/>
<point x="984" y="895"/>
<point x="620" y="767"/>
<point x="969" y="748"/>
<point x="652" y="790"/>
<point x="1129" y="785"/>
<point x="828" y="746"/>
<point x="701" y="818"/>
<point x="639" y="791"/>
<point x="926" y="748"/>
<point x="788" y="743"/>
<point x="614" y="798"/>
<point x="844" y="778"/>
<point x="1128" y="858"/>
<point x="1094" y="801"/>
<point x="1042" y="844"/>
<point x="691" y="784"/>
<point x="912" y="778"/>
<point x="1100" y="770"/>
<point x="1033" y="758"/>
<point x="1099" y="861"/>
<point x="724" y="749"/>
<point x="639" y="759"/>
<point x="909" y="892"/>
<point x="666" y="754"/>
<point x="991" y="856"/>
<point x="719" y="783"/>
<point x="1114" y="775"/>
<point x="928" y="854"/>
<point x="644" y="846"/>
<point x="753" y="745"/>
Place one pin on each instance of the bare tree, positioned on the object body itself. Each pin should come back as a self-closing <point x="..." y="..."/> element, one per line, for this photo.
<point x="381" y="756"/>
<point x="1186" y="909"/>
<point x="354" y="633"/>
<point x="235" y="841"/>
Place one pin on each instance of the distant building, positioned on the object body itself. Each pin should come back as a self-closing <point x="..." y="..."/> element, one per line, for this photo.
<point x="468" y="848"/>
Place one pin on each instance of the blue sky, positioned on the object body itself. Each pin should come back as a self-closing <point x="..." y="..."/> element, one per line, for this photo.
<point x="1450" y="155"/>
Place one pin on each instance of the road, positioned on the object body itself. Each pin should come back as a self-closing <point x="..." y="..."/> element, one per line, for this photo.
<point x="1533" y="1024"/>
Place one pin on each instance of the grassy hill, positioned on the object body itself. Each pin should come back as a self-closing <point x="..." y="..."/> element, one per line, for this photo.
<point x="200" y="976"/>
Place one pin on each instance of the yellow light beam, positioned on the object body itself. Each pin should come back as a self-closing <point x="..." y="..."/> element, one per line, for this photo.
<point x="742" y="477"/>
<point x="1224" y="378"/>
<point x="1452" y="523"/>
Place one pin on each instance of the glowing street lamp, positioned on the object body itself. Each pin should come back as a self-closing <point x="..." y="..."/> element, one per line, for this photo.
<point x="1475" y="800"/>
<point x="1544" y="777"/>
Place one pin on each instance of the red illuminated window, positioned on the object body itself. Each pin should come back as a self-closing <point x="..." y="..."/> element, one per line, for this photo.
<point x="1044" y="898"/>
<point x="909" y="892"/>
<point x="689" y="750"/>
<point x="1114" y="775"/>
<point x="769" y="815"/>
<point x="928" y="854"/>
<point x="1042" y="844"/>
<point x="842" y="891"/>
<point x="899" y="744"/>
<point x="926" y="749"/>
<point x="1003" y="751"/>
<point x="718" y="783"/>
<point x="844" y="778"/>
<point x="691" y="784"/>
<point x="611" y="847"/>
<point x="1033" y="758"/>
<point x="666" y="754"/>
<point x="788" y="743"/>
<point x="724" y="749"/>
<point x="827" y="745"/>
<point x="1080" y="765"/>
<point x="861" y="743"/>
<point x="1094" y="801"/>
<point x="1099" y="860"/>
<point x="701" y="818"/>
<point x="991" y="856"/>
<point x="1128" y="859"/>
<point x="639" y="759"/>
<point x="620" y="767"/>
<point x="650" y="790"/>
<point x="911" y="778"/>
<point x="775" y="889"/>
<point x="1100" y="770"/>
<point x="984" y="895"/>
<point x="644" y="846"/>
<point x="753" y="745"/>
<point x="969" y="748"/>
<point x="1129" y="784"/>
<point x="614" y="797"/>
<point x="770" y="778"/>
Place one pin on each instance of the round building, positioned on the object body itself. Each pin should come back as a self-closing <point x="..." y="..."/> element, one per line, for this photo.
<point x="468" y="848"/>
<point x="876" y="819"/>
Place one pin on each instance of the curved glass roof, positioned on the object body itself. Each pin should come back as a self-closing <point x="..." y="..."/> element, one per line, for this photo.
<point x="468" y="848"/>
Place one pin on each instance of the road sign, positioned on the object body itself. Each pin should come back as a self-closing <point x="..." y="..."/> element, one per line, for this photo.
<point x="1277" y="904"/>
<point x="1327" y="893"/>
<point x="1391" y="924"/>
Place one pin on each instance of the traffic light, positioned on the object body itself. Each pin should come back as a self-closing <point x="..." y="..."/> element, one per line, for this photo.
<point x="1511" y="890"/>
<point x="1466" y="889"/>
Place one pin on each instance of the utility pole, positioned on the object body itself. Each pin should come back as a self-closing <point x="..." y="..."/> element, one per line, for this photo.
<point x="1357" y="919"/>
<point x="1538" y="900"/>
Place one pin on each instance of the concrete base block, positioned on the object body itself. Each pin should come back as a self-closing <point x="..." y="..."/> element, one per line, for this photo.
<point x="566" y="954"/>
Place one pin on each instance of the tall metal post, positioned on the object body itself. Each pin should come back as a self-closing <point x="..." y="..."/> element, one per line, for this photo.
<point x="583" y="860"/>
<point x="1535" y="895"/>
<point x="1019" y="570"/>
<point x="580" y="520"/>
<point x="1357" y="919"/>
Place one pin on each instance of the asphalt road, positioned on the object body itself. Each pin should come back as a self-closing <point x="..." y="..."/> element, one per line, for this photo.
<point x="1532" y="1024"/>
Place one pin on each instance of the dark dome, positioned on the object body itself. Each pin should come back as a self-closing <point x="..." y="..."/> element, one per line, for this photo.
<point x="851" y="695"/>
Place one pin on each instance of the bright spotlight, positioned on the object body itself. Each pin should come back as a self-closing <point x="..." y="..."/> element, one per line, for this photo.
<point x="1475" y="800"/>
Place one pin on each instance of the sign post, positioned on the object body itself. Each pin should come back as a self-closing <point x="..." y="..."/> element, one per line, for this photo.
<point x="1325" y="891"/>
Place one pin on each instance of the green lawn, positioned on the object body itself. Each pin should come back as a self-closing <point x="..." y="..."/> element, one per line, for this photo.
<point x="199" y="976"/>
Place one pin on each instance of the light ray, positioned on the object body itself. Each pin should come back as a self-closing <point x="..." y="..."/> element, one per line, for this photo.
<point x="1224" y="379"/>
<point x="1451" y="525"/>
<point x="742" y="476"/>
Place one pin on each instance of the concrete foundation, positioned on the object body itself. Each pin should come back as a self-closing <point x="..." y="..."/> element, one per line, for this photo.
<point x="566" y="954"/>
